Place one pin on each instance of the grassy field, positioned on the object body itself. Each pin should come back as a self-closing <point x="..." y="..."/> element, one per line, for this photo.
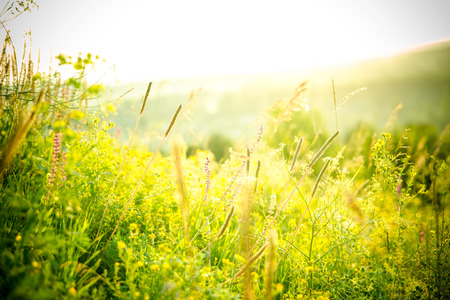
<point x="308" y="203"/>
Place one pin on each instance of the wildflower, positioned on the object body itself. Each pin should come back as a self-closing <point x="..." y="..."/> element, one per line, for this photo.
<point x="235" y="193"/>
<point x="254" y="276"/>
<point x="309" y="269"/>
<point x="58" y="163"/>
<point x="121" y="245"/>
<point x="35" y="264"/>
<point x="72" y="291"/>
<point x="208" y="180"/>
<point x="18" y="238"/>
<point x="140" y="263"/>
<point x="154" y="268"/>
<point x="166" y="266"/>
<point x="133" y="226"/>
<point x="278" y="287"/>
<point x="260" y="133"/>
<point x="399" y="186"/>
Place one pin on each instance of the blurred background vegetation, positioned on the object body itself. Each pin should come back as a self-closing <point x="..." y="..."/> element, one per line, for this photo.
<point x="411" y="89"/>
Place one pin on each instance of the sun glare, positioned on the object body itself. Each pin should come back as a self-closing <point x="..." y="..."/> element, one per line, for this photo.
<point x="168" y="39"/>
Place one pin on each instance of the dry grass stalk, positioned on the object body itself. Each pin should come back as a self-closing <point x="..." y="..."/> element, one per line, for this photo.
<point x="248" y="264"/>
<point x="146" y="97"/>
<point x="258" y="167"/>
<point x="323" y="148"/>
<point x="226" y="223"/>
<point x="173" y="120"/>
<point x="297" y="150"/>
<point x="355" y="92"/>
<point x="246" y="238"/>
<point x="179" y="152"/>
<point x="222" y="229"/>
<point x="319" y="177"/>
<point x="248" y="162"/>
<point x="20" y="134"/>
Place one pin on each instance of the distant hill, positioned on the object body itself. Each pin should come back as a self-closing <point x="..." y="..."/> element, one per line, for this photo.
<point x="418" y="79"/>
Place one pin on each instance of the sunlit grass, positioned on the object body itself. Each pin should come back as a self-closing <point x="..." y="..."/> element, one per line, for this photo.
<point x="281" y="217"/>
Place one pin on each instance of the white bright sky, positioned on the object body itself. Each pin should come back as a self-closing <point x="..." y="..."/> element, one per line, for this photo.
<point x="151" y="40"/>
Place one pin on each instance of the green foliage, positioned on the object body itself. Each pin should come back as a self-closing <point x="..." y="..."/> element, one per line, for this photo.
<point x="13" y="8"/>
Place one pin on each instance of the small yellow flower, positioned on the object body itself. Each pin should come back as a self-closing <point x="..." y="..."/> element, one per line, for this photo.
<point x="117" y="264"/>
<point x="254" y="276"/>
<point x="121" y="245"/>
<point x="58" y="124"/>
<point x="166" y="266"/>
<point x="309" y="269"/>
<point x="76" y="114"/>
<point x="18" y="238"/>
<point x="72" y="291"/>
<point x="154" y="268"/>
<point x="35" y="264"/>
<point x="279" y="287"/>
<point x="133" y="226"/>
<point x="136" y="294"/>
<point x="140" y="263"/>
<point x="226" y="261"/>
<point x="110" y="108"/>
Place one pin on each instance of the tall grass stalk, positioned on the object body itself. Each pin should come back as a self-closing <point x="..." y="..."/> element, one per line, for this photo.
<point x="19" y="135"/>
<point x="179" y="153"/>
<point x="124" y="157"/>
<point x="313" y="161"/>
<point x="270" y="264"/>
<point x="234" y="181"/>
<point x="319" y="178"/>
<point x="248" y="264"/>
<point x="297" y="150"/>
<point x="143" y="175"/>
<point x="246" y="201"/>
<point x="294" y="160"/>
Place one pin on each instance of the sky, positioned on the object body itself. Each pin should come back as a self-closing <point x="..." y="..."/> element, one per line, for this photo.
<point x="155" y="40"/>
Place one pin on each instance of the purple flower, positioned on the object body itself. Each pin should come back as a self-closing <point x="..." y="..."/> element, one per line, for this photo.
<point x="399" y="186"/>
<point x="58" y="163"/>
<point x="208" y="180"/>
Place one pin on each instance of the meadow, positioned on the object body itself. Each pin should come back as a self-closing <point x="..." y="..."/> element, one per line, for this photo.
<point x="291" y="211"/>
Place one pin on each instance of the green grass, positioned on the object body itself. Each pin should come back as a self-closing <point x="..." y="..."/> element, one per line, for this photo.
<point x="362" y="215"/>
